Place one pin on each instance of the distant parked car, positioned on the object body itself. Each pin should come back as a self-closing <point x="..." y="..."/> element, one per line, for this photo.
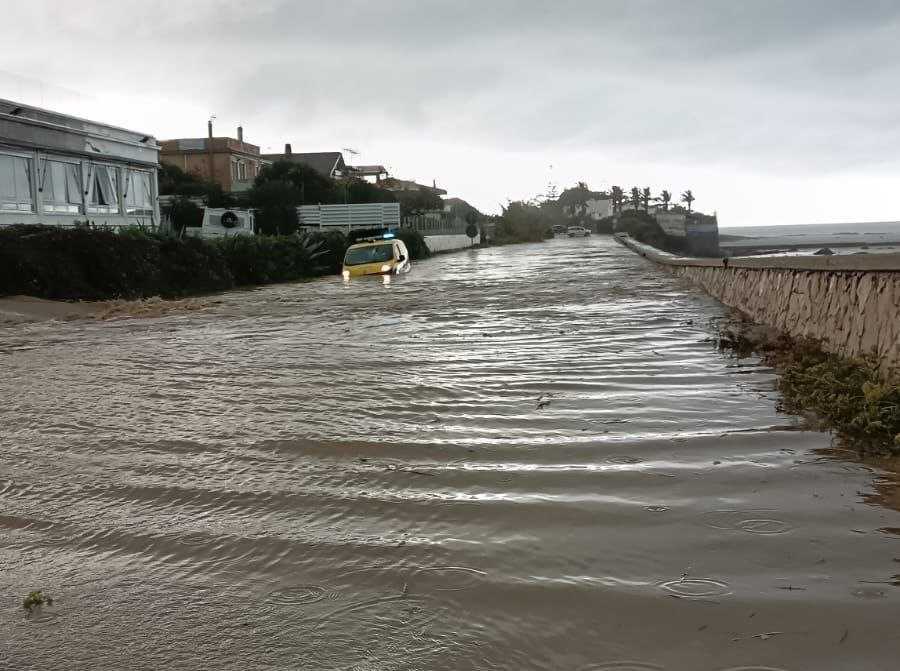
<point x="577" y="232"/>
<point x="558" y="228"/>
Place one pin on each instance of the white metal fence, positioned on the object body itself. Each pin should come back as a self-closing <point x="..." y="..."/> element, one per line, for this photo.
<point x="437" y="222"/>
<point x="349" y="217"/>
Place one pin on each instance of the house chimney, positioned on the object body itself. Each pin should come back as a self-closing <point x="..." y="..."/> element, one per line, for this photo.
<point x="287" y="149"/>
<point x="209" y="128"/>
<point x="240" y="133"/>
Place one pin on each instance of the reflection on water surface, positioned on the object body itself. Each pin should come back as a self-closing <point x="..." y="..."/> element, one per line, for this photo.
<point x="515" y="458"/>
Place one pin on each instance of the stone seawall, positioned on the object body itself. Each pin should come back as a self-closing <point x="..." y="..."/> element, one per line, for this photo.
<point x="850" y="304"/>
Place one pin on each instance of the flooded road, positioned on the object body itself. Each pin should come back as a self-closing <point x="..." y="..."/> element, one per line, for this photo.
<point x="514" y="458"/>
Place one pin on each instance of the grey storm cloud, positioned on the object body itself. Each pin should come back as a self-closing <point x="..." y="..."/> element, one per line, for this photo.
<point x="765" y="87"/>
<point x="786" y="83"/>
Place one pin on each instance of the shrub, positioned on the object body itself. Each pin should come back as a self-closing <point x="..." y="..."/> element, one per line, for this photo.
<point x="642" y="227"/>
<point x="89" y="264"/>
<point x="190" y="266"/>
<point x="184" y="213"/>
<point x="415" y="243"/>
<point x="276" y="202"/>
<point x="521" y="222"/>
<point x="265" y="259"/>
<point x="852" y="396"/>
<point x="331" y="247"/>
<point x="86" y="264"/>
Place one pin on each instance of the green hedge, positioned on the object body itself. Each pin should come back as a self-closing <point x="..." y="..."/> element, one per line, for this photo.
<point x="266" y="259"/>
<point x="85" y="264"/>
<point x="89" y="264"/>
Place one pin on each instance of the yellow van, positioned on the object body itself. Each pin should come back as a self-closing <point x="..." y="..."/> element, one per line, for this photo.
<point x="376" y="256"/>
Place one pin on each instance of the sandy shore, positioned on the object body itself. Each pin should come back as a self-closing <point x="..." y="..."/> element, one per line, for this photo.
<point x="26" y="309"/>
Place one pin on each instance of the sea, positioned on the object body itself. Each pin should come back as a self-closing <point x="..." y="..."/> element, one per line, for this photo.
<point x="861" y="233"/>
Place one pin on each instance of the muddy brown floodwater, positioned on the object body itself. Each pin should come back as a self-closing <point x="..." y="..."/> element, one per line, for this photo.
<point x="516" y="458"/>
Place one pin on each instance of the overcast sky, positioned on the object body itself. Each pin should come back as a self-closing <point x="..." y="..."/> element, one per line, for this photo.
<point x="771" y="111"/>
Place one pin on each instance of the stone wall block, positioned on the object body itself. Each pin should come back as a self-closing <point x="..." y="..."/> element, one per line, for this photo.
<point x="851" y="311"/>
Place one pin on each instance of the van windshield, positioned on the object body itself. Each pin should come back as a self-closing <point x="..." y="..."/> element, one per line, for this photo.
<point x="373" y="254"/>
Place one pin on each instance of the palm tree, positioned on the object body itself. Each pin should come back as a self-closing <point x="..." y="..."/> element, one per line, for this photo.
<point x="645" y="196"/>
<point x="617" y="197"/>
<point x="636" y="198"/>
<point x="688" y="197"/>
<point x="665" y="197"/>
<point x="581" y="198"/>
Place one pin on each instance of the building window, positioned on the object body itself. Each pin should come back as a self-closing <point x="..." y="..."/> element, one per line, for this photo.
<point x="103" y="189"/>
<point x="242" y="171"/>
<point x="60" y="187"/>
<point x="15" y="184"/>
<point x="234" y="171"/>
<point x="138" y="194"/>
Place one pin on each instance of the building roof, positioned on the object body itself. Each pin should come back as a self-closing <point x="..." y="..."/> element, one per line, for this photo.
<point x="367" y="170"/>
<point x="195" y="145"/>
<point x="394" y="184"/>
<point x="34" y="127"/>
<point x="328" y="163"/>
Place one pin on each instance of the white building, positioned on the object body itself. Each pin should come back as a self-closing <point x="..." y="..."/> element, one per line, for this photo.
<point x="595" y="209"/>
<point x="60" y="170"/>
<point x="599" y="208"/>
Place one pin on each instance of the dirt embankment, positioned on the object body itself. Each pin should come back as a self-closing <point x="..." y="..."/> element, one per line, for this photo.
<point x="27" y="309"/>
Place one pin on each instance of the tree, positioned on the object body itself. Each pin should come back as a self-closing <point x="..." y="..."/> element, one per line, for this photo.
<point x="635" y="198"/>
<point x="472" y="226"/>
<point x="183" y="213"/>
<point x="665" y="197"/>
<point x="642" y="227"/>
<point x="417" y="202"/>
<point x="276" y="204"/>
<point x="645" y="198"/>
<point x="361" y="191"/>
<point x="463" y="210"/>
<point x="173" y="181"/>
<point x="688" y="198"/>
<point x="313" y="187"/>
<point x="618" y="197"/>
<point x="574" y="201"/>
<point x="521" y="222"/>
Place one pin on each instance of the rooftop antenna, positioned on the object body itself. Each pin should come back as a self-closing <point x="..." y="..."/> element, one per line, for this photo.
<point x="350" y="151"/>
<point x="552" y="190"/>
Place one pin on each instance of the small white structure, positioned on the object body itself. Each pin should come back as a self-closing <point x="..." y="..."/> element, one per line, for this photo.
<point x="450" y="242"/>
<point x="223" y="223"/>
<point x="594" y="209"/>
<point x="349" y="217"/>
<point x="599" y="208"/>
<point x="61" y="171"/>
<point x="442" y="229"/>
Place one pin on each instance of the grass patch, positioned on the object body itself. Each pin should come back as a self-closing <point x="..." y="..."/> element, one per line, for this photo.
<point x="36" y="599"/>
<point x="849" y="396"/>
